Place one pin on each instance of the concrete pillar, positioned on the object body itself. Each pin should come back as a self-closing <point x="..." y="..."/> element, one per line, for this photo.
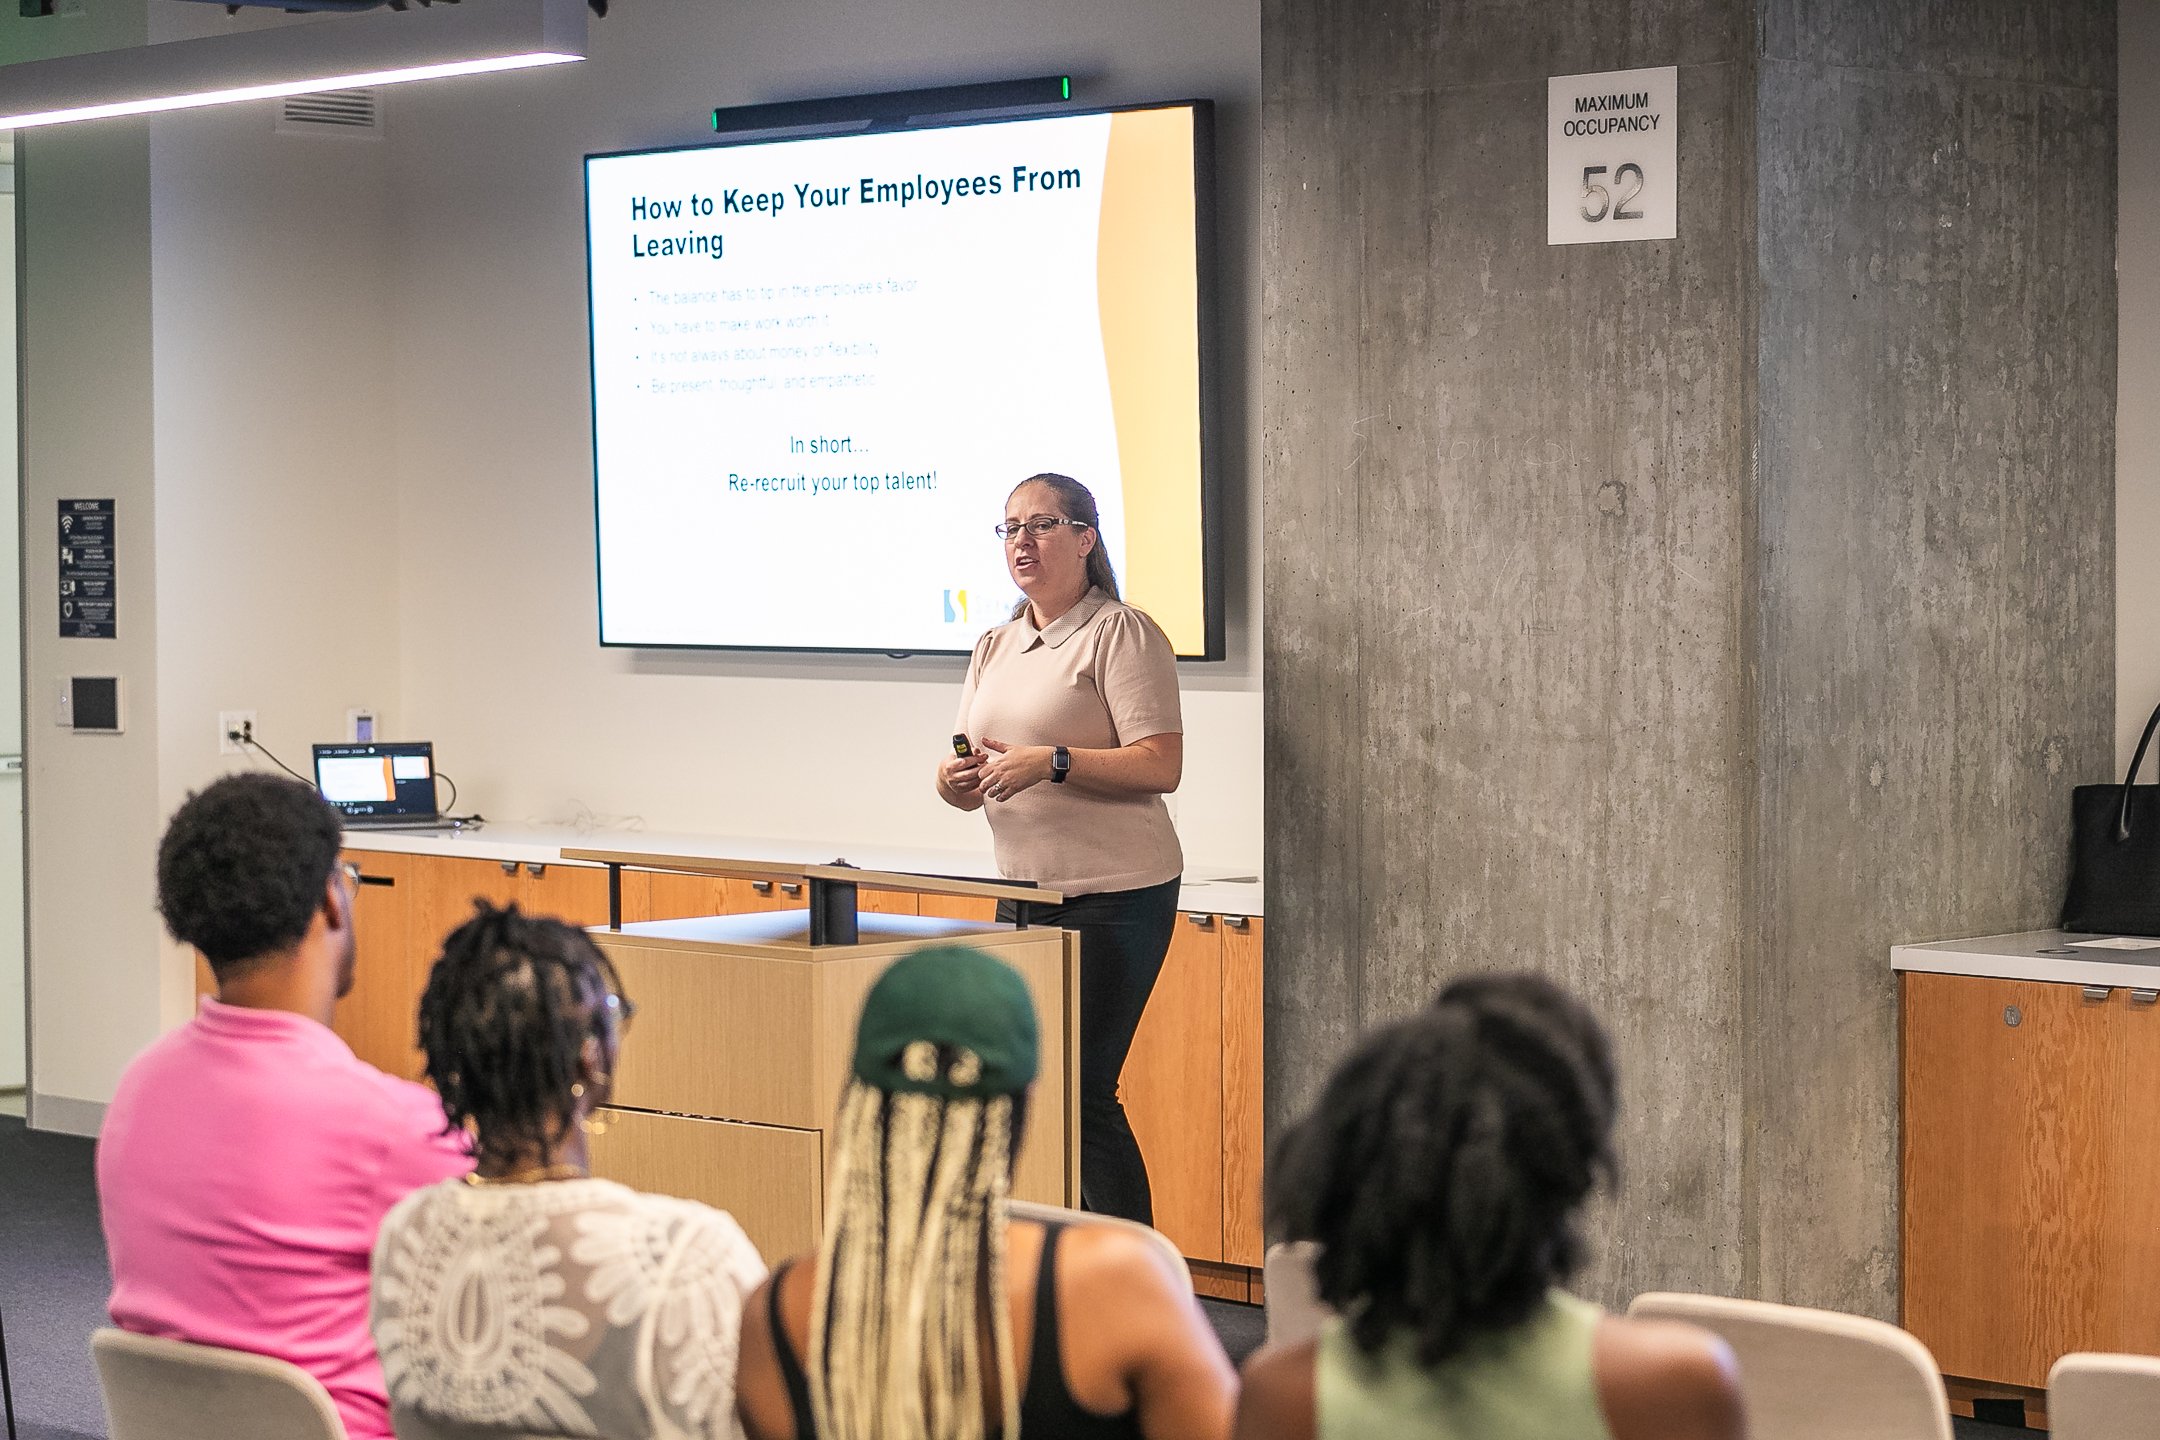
<point x="1544" y="527"/>
<point x="1932" y="576"/>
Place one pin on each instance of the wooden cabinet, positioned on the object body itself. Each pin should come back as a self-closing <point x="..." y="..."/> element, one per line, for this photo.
<point x="445" y="889"/>
<point x="378" y="1018"/>
<point x="1244" y="1115"/>
<point x="1192" y="1085"/>
<point x="772" y="1180"/>
<point x="958" y="907"/>
<point x="728" y="1092"/>
<point x="1173" y="1091"/>
<point x="408" y="904"/>
<point x="1192" y="1089"/>
<point x="2031" y="1182"/>
<point x="671" y="896"/>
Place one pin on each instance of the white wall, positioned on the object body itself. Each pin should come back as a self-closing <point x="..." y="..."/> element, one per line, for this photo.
<point x="277" y="522"/>
<point x="93" y="821"/>
<point x="500" y="662"/>
<point x="2137" y="415"/>
<point x="278" y="527"/>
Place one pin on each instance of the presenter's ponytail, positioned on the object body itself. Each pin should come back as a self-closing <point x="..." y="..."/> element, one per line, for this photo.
<point x="1078" y="503"/>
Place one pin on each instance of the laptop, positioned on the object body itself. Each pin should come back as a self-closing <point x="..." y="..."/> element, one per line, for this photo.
<point x="381" y="786"/>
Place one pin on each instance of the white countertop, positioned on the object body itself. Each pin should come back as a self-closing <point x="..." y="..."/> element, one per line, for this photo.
<point x="1223" y="891"/>
<point x="1235" y="895"/>
<point x="2060" y="956"/>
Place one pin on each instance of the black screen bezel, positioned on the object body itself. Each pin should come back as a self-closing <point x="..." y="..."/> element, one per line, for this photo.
<point x="1214" y="625"/>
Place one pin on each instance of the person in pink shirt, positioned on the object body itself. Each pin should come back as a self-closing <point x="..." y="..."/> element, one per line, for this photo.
<point x="248" y="1157"/>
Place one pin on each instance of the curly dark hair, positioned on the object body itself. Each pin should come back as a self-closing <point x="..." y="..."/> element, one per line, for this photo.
<point x="1442" y="1169"/>
<point x="241" y="870"/>
<point x="507" y="1008"/>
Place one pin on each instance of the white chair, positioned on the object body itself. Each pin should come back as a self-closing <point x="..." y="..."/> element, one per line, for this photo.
<point x="172" y="1390"/>
<point x="2105" y="1397"/>
<point x="1816" y="1374"/>
<point x="1059" y="1215"/>
<point x="1294" y="1311"/>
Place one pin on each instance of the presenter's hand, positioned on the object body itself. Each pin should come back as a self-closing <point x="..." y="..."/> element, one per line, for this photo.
<point x="962" y="776"/>
<point x="1011" y="769"/>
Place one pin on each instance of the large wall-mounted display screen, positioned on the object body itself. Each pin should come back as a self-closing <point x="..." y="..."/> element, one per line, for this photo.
<point x="820" y="365"/>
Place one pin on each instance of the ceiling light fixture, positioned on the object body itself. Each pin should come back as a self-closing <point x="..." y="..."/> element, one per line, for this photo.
<point x="380" y="47"/>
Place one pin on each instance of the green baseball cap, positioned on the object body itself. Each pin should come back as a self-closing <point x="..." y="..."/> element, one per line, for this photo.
<point x="948" y="996"/>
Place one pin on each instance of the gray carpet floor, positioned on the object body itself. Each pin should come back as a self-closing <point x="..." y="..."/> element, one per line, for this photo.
<point x="53" y="1283"/>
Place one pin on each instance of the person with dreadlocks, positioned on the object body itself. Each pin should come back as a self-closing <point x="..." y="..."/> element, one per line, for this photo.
<point x="1441" y="1174"/>
<point x="926" y="1314"/>
<point x="529" y="1298"/>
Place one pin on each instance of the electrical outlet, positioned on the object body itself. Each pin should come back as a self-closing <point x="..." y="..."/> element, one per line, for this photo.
<point x="231" y="723"/>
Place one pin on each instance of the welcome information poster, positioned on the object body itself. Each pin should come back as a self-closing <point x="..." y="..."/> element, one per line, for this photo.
<point x="820" y="366"/>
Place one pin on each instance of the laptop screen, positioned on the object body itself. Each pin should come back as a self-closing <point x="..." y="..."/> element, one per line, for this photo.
<point x="378" y="780"/>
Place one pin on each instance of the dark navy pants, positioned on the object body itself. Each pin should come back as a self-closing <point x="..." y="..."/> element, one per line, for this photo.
<point x="1124" y="935"/>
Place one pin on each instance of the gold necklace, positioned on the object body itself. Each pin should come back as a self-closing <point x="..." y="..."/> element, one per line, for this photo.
<point x="530" y="1175"/>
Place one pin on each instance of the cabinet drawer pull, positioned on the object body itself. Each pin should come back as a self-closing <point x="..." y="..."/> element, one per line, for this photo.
<point x="2097" y="992"/>
<point x="1238" y="922"/>
<point x="509" y="867"/>
<point x="791" y="890"/>
<point x="367" y="879"/>
<point x="763" y="887"/>
<point x="536" y="868"/>
<point x="1203" y="921"/>
<point x="2145" y="997"/>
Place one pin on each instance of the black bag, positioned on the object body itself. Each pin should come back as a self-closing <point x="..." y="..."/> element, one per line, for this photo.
<point x="2115" y="854"/>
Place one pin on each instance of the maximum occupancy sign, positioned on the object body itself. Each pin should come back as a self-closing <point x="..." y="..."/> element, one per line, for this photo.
<point x="1612" y="156"/>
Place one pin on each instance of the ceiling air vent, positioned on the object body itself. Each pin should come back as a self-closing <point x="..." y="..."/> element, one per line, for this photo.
<point x="331" y="112"/>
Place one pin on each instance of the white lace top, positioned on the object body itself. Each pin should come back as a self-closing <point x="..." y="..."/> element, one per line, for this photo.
<point x="576" y="1307"/>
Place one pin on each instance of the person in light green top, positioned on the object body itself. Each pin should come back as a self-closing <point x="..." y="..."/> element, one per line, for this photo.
<point x="1440" y="1175"/>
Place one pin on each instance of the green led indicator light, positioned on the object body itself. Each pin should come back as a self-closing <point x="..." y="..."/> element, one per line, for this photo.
<point x="1065" y="84"/>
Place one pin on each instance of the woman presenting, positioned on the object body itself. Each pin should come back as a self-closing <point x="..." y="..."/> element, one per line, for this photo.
<point x="1072" y="711"/>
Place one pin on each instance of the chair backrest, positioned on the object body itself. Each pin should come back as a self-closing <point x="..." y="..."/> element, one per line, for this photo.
<point x="1294" y="1311"/>
<point x="172" y="1390"/>
<point x="1059" y="1215"/>
<point x="1816" y="1374"/>
<point x="2104" y="1397"/>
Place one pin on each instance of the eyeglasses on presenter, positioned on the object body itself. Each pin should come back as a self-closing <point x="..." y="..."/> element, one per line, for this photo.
<point x="1040" y="526"/>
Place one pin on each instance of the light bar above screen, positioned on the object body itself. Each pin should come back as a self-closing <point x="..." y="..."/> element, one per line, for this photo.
<point x="820" y="365"/>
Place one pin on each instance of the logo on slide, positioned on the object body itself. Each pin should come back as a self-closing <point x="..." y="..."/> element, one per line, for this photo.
<point x="956" y="607"/>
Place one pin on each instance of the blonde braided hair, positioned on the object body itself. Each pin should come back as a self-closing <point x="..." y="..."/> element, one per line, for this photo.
<point x="914" y="1247"/>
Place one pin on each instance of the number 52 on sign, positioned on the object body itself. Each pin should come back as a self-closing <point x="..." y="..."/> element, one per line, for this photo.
<point x="1612" y="156"/>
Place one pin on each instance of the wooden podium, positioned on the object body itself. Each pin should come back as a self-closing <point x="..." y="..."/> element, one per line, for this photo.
<point x="726" y="1089"/>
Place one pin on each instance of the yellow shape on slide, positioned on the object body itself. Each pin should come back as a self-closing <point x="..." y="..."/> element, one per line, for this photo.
<point x="1149" y="291"/>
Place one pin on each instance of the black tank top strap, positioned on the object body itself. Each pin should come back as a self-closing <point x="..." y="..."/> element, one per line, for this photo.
<point x="791" y="1370"/>
<point x="1047" y="1408"/>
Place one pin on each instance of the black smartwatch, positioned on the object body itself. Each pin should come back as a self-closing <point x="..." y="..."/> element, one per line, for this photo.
<point x="1060" y="765"/>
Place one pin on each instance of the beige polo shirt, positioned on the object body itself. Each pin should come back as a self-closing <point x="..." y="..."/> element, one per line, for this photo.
<point x="1099" y="677"/>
